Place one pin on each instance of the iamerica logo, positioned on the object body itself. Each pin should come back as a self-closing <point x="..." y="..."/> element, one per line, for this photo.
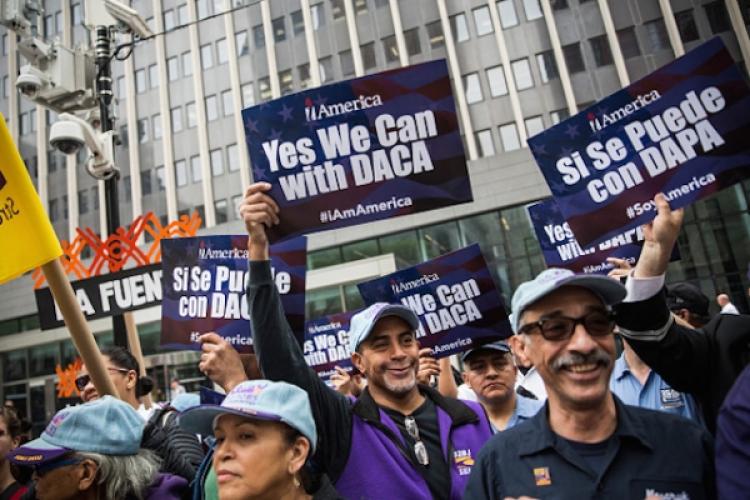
<point x="399" y="287"/>
<point x="606" y="119"/>
<point x="318" y="112"/>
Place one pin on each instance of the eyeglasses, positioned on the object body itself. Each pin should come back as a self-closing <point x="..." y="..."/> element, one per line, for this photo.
<point x="83" y="380"/>
<point x="48" y="467"/>
<point x="597" y="324"/>
<point x="420" y="450"/>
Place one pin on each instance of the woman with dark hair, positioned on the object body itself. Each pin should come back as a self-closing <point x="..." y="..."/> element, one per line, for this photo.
<point x="180" y="451"/>
<point x="10" y="438"/>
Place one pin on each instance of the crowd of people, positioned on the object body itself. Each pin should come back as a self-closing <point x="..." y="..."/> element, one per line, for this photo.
<point x="611" y="387"/>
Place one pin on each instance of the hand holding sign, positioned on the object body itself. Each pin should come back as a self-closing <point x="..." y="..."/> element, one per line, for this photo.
<point x="259" y="211"/>
<point x="660" y="238"/>
<point x="220" y="361"/>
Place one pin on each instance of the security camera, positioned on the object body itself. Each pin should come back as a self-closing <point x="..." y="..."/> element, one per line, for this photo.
<point x="114" y="13"/>
<point x="29" y="84"/>
<point x="66" y="136"/>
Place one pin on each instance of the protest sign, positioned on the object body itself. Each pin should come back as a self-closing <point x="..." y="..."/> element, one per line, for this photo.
<point x="361" y="150"/>
<point x="105" y="295"/>
<point x="204" y="283"/>
<point x="682" y="131"/>
<point x="560" y="248"/>
<point x="327" y="343"/>
<point x="454" y="296"/>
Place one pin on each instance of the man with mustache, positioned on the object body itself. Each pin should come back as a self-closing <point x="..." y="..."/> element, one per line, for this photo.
<point x="398" y="439"/>
<point x="586" y="443"/>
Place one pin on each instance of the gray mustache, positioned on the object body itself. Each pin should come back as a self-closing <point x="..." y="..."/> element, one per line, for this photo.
<point x="575" y="358"/>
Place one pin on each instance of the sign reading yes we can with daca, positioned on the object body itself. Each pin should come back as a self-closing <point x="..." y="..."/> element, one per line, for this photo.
<point x="361" y="150"/>
<point x="682" y="130"/>
<point x="454" y="296"/>
<point x="326" y="343"/>
<point x="204" y="281"/>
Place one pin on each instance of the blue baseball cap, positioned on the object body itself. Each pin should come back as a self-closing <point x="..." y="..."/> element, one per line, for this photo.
<point x="610" y="291"/>
<point x="362" y="323"/>
<point x="106" y="425"/>
<point x="500" y="346"/>
<point x="258" y="400"/>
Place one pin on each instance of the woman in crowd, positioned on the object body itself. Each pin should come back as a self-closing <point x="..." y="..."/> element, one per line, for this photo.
<point x="264" y="434"/>
<point x="181" y="452"/>
<point x="10" y="436"/>
<point x="92" y="452"/>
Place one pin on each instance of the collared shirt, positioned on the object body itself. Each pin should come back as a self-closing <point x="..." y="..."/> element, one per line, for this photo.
<point x="655" y="394"/>
<point x="652" y="454"/>
<point x="532" y="382"/>
<point x="729" y="309"/>
<point x="525" y="409"/>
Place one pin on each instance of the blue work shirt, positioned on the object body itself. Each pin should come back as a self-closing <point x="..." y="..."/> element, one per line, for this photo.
<point x="650" y="453"/>
<point x="525" y="409"/>
<point x="655" y="394"/>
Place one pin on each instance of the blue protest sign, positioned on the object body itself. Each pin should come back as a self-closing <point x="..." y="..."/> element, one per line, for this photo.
<point x="682" y="131"/>
<point x="204" y="280"/>
<point x="327" y="343"/>
<point x="361" y="150"/>
<point x="453" y="295"/>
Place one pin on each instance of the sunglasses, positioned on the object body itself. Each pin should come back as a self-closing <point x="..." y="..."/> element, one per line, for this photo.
<point x="420" y="450"/>
<point x="597" y="324"/>
<point x="48" y="467"/>
<point x="83" y="380"/>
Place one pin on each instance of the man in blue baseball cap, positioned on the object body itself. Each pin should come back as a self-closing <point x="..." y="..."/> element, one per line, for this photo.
<point x="491" y="373"/>
<point x="585" y="443"/>
<point x="398" y="439"/>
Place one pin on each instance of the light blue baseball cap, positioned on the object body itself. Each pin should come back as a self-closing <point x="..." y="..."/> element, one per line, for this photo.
<point x="500" y="346"/>
<point x="258" y="400"/>
<point x="363" y="322"/>
<point x="610" y="291"/>
<point x="106" y="425"/>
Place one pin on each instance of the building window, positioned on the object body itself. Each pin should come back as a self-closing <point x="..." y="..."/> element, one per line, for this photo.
<point x="176" y="119"/>
<point x="413" y="47"/>
<point x="195" y="168"/>
<point x="547" y="66"/>
<point x="222" y="211"/>
<point x="192" y="119"/>
<point x="120" y="88"/>
<point x="212" y="110"/>
<point x="716" y="12"/>
<point x="496" y="77"/>
<point x="559" y="4"/>
<point x="534" y="126"/>
<point x="202" y="8"/>
<point x="391" y="49"/>
<point x="180" y="173"/>
<point x="54" y="211"/>
<point x="156" y="125"/>
<point x="485" y="143"/>
<point x="509" y="137"/>
<point x="227" y="102"/>
<point x="628" y="42"/>
<point x="573" y="58"/>
<point x="686" y="25"/>
<point x="217" y="163"/>
<point x="602" y="53"/>
<point x="240" y="39"/>
<point x="369" y="59"/>
<point x="347" y="63"/>
<point x="248" y="96"/>
<point x="234" y="157"/>
<point x="169" y="19"/>
<point x="207" y="56"/>
<point x="507" y="13"/>
<point x="337" y="9"/>
<point x="259" y="37"/>
<point x="95" y="197"/>
<point x="325" y="65"/>
<point x="435" y="34"/>
<point x="303" y="70"/>
<point x="145" y="182"/>
<point x="49" y="26"/>
<point x="182" y="15"/>
<point x="160" y="181"/>
<point x="286" y="82"/>
<point x="532" y="9"/>
<point x="360" y="6"/>
<point x="279" y="29"/>
<point x="222" y="53"/>
<point x="316" y="13"/>
<point x="140" y="81"/>
<point x="143" y="130"/>
<point x="173" y="69"/>
<point x="472" y="88"/>
<point x="522" y="74"/>
<point x="459" y="28"/>
<point x="83" y="201"/>
<point x="76" y="16"/>
<point x="558" y="116"/>
<point x="264" y="88"/>
<point x="298" y="22"/>
<point x="657" y="35"/>
<point x="482" y="21"/>
<point x="187" y="64"/>
<point x="153" y="76"/>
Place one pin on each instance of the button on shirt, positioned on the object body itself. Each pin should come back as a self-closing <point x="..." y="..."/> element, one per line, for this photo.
<point x="650" y="454"/>
<point x="655" y="394"/>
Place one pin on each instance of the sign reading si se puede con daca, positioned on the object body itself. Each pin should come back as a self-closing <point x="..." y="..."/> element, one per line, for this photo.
<point x="361" y="150"/>
<point x="454" y="296"/>
<point x="205" y="280"/>
<point x="327" y="343"/>
<point x="560" y="248"/>
<point x="682" y="130"/>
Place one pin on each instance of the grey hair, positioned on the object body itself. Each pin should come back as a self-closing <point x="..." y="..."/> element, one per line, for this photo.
<point x="124" y="476"/>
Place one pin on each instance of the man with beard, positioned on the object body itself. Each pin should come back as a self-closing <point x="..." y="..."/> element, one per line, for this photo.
<point x="586" y="443"/>
<point x="398" y="439"/>
<point x="490" y="372"/>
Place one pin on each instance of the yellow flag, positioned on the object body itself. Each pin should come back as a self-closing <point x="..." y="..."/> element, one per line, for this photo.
<point x="27" y="239"/>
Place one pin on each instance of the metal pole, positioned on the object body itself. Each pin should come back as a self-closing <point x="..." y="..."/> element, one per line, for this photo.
<point x="102" y="48"/>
